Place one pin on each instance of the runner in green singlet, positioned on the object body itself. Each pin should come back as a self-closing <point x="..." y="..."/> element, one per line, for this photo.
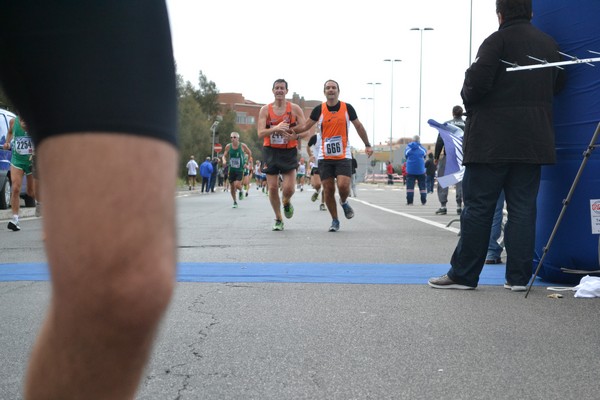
<point x="237" y="153"/>
<point x="21" y="144"/>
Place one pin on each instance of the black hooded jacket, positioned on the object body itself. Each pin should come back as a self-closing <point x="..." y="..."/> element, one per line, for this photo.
<point x="509" y="114"/>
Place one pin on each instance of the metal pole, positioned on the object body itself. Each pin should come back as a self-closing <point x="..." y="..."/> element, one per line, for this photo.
<point x="392" y="61"/>
<point x="470" y="33"/>
<point x="373" y="122"/>
<point x="586" y="156"/>
<point x="214" y="130"/>
<point x="213" y="142"/>
<point x="420" y="70"/>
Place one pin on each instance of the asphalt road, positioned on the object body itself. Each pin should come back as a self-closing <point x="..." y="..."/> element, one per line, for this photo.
<point x="290" y="339"/>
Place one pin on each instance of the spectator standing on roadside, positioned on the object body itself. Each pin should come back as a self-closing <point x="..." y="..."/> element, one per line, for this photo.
<point x="213" y="175"/>
<point x="509" y="135"/>
<point x="192" y="167"/>
<point x="494" y="253"/>
<point x="430" y="173"/>
<point x="415" y="170"/>
<point x="206" y="170"/>
<point x="440" y="162"/>
<point x="353" y="182"/>
<point x="389" y="169"/>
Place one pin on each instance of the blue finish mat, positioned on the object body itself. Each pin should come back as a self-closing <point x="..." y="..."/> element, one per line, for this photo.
<point x="407" y="274"/>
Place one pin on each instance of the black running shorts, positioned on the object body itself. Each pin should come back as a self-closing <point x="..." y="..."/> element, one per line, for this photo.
<point x="333" y="168"/>
<point x="87" y="65"/>
<point x="280" y="161"/>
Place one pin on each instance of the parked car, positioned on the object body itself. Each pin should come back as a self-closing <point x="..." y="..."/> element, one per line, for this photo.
<point x="5" y="155"/>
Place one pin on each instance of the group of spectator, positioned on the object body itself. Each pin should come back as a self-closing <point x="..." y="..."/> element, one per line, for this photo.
<point x="211" y="172"/>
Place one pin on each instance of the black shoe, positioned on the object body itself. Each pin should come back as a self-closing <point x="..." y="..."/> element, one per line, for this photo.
<point x="442" y="211"/>
<point x="459" y="210"/>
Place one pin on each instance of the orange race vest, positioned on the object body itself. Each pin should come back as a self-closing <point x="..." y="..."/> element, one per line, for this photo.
<point x="334" y="133"/>
<point x="276" y="140"/>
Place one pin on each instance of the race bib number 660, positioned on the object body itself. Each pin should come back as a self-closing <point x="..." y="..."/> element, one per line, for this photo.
<point x="333" y="146"/>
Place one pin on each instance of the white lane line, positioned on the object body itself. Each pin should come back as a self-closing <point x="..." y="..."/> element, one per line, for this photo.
<point x="425" y="221"/>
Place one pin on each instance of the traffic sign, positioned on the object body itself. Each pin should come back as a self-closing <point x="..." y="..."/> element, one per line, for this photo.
<point x="218" y="147"/>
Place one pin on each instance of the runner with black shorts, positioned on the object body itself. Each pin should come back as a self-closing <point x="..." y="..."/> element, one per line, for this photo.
<point x="235" y="156"/>
<point x="280" y="149"/>
<point x="335" y="160"/>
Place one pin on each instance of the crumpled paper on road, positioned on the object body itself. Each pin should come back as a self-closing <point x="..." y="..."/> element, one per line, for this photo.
<point x="588" y="287"/>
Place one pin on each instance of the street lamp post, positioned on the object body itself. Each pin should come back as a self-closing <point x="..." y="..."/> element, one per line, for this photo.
<point x="213" y="128"/>
<point x="372" y="99"/>
<point x="391" y="61"/>
<point x="374" y="84"/>
<point x="470" y="33"/>
<point x="403" y="108"/>
<point x="420" y="70"/>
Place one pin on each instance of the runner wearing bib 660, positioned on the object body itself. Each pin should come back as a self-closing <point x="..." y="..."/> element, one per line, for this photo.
<point x="335" y="160"/>
<point x="21" y="144"/>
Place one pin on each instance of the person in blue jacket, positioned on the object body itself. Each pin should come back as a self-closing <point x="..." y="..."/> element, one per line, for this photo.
<point x="415" y="169"/>
<point x="206" y="170"/>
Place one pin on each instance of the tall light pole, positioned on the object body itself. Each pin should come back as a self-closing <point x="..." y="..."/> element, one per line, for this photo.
<point x="391" y="61"/>
<point x="373" y="84"/>
<point x="420" y="70"/>
<point x="470" y="33"/>
<point x="213" y="128"/>
<point x="369" y="98"/>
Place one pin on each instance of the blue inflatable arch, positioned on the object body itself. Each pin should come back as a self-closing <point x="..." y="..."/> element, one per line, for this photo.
<point x="576" y="28"/>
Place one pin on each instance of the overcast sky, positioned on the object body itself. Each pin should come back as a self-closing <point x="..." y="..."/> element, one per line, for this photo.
<point x="244" y="45"/>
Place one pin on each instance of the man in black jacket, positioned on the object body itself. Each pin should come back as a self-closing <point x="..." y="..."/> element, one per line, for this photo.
<point x="508" y="136"/>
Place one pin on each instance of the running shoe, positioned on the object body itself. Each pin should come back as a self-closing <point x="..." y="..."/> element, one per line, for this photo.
<point x="235" y="204"/>
<point x="13" y="225"/>
<point x="288" y="211"/>
<point x="348" y="211"/>
<point x="314" y="197"/>
<point x="335" y="226"/>
<point x="278" y="225"/>
<point x="322" y="207"/>
<point x="241" y="195"/>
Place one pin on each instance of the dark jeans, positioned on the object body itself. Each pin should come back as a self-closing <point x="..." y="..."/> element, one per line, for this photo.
<point x="494" y="249"/>
<point x="429" y="183"/>
<point x="213" y="180"/>
<point x="482" y="184"/>
<point x="410" y="188"/>
<point x="205" y="184"/>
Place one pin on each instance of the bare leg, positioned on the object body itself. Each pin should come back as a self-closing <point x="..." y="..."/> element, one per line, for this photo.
<point x="329" y="193"/>
<point x="343" y="185"/>
<point x="111" y="253"/>
<point x="233" y="191"/>
<point x="273" y="186"/>
<point x="289" y="187"/>
<point x="15" y="189"/>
